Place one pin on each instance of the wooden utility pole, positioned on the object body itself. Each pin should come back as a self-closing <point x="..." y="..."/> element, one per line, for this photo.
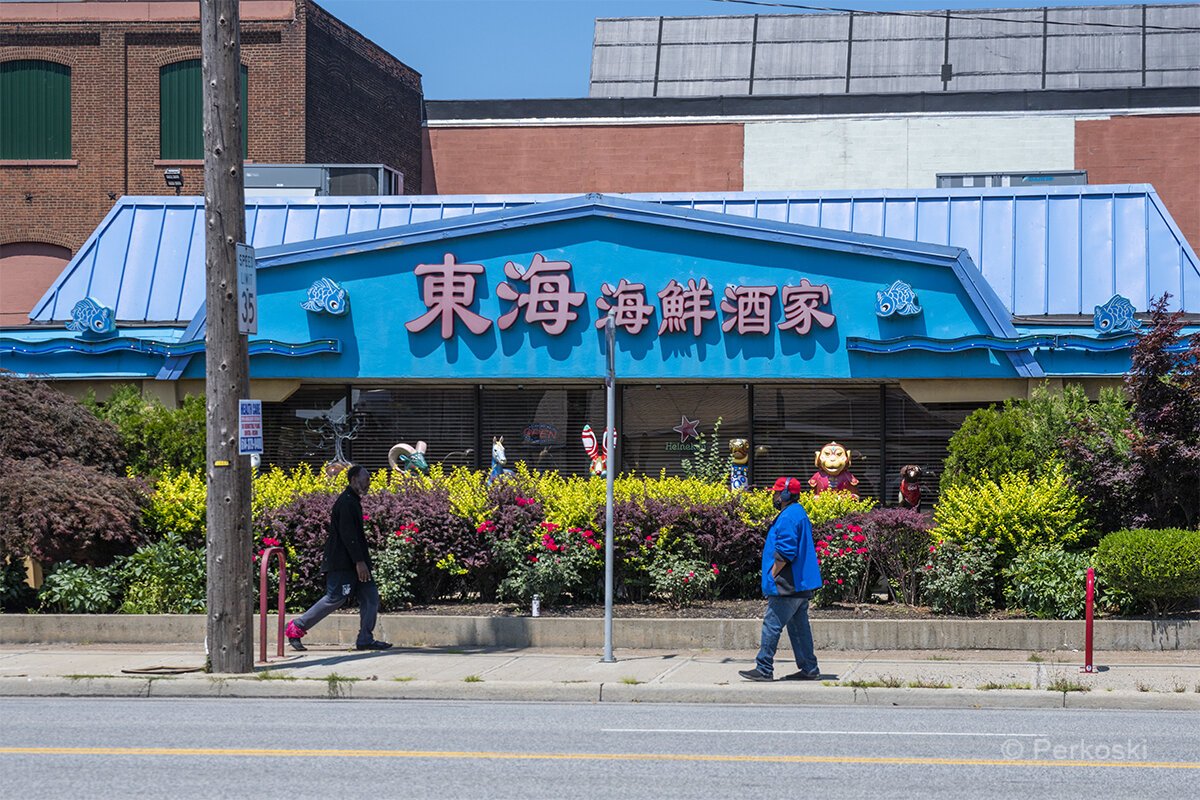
<point x="227" y="366"/>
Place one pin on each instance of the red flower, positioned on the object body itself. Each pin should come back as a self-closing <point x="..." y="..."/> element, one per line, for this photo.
<point x="685" y="580"/>
<point x="487" y="526"/>
<point x="407" y="539"/>
<point x="929" y="566"/>
<point x="838" y="526"/>
<point x="366" y="517"/>
<point x="858" y="537"/>
<point x="839" y="580"/>
<point x="854" y="528"/>
<point x="533" y="559"/>
<point x="715" y="570"/>
<point x="669" y="571"/>
<point x="861" y="550"/>
<point x="550" y="526"/>
<point x="270" y="542"/>
<point x="691" y="575"/>
<point x="595" y="544"/>
<point x="932" y="549"/>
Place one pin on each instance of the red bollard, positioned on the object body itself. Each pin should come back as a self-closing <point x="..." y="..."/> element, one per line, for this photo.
<point x="1088" y="666"/>
<point x="262" y="598"/>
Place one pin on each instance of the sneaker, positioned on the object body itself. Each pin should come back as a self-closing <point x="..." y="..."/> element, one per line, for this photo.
<point x="803" y="676"/>
<point x="754" y="675"/>
<point x="374" y="644"/>
<point x="294" y="634"/>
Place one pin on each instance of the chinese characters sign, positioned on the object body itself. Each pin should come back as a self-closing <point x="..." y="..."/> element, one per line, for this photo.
<point x="542" y="295"/>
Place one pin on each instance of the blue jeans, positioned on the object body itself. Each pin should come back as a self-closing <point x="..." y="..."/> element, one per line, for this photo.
<point x="789" y="612"/>
<point x="340" y="586"/>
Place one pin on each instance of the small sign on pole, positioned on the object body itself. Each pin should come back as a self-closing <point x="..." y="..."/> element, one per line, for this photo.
<point x="250" y="428"/>
<point x="247" y="290"/>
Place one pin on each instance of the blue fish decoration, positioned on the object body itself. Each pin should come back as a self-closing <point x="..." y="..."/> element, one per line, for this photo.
<point x="88" y="316"/>
<point x="898" y="298"/>
<point x="1115" y="316"/>
<point x="326" y="296"/>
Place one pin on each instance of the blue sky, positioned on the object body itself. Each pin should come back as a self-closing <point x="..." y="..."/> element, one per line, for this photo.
<point x="488" y="49"/>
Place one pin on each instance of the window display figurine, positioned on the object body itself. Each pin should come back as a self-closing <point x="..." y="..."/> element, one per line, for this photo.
<point x="498" y="460"/>
<point x="739" y="465"/>
<point x="597" y="453"/>
<point x="404" y="457"/>
<point x="833" y="463"/>
<point x="910" y="486"/>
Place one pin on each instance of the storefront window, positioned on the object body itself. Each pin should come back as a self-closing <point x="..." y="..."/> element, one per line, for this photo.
<point x="292" y="430"/>
<point x="657" y="423"/>
<point x="541" y="425"/>
<point x="443" y="418"/>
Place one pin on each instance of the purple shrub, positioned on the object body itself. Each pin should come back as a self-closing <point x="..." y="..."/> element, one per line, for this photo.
<point x="898" y="542"/>
<point x="304" y="525"/>
<point x="724" y="539"/>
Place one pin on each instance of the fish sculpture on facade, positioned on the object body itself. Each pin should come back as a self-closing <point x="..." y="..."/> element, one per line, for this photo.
<point x="88" y="316"/>
<point x="899" y="298"/>
<point x="325" y="295"/>
<point x="1116" y="316"/>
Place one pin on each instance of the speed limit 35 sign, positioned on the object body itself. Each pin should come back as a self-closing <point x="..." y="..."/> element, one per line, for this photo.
<point x="247" y="290"/>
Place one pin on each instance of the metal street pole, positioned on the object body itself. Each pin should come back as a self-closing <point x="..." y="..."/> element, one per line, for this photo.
<point x="230" y="639"/>
<point x="610" y="433"/>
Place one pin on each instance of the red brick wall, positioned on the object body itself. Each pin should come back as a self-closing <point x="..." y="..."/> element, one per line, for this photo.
<point x="364" y="106"/>
<point x="620" y="158"/>
<point x="1163" y="151"/>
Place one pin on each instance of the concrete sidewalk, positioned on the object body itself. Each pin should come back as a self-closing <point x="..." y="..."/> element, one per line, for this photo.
<point x="948" y="678"/>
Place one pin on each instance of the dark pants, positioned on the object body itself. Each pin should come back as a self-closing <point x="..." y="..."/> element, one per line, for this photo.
<point x="340" y="586"/>
<point x="789" y="612"/>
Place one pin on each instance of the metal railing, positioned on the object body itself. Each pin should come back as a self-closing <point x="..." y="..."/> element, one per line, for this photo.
<point x="264" y="564"/>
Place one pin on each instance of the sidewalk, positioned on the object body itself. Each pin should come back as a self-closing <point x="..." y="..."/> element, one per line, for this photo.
<point x="945" y="678"/>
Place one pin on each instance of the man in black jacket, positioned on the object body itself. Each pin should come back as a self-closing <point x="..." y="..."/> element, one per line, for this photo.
<point x="347" y="569"/>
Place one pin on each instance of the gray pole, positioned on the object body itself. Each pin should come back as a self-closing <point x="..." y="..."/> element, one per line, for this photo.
<point x="610" y="382"/>
<point x="227" y="369"/>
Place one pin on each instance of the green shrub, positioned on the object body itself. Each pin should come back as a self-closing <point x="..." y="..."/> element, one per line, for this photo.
<point x="1028" y="435"/>
<point x="1019" y="512"/>
<point x="75" y="589"/>
<point x="166" y="577"/>
<point x="1048" y="584"/>
<point x="844" y="559"/>
<point x="551" y="563"/>
<point x="15" y="594"/>
<point x="960" y="579"/>
<point x="395" y="571"/>
<point x="177" y="505"/>
<point x="155" y="437"/>
<point x="1159" y="569"/>
<point x="680" y="581"/>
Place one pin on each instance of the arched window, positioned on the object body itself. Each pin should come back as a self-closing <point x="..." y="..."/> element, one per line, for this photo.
<point x="181" y="111"/>
<point x="27" y="269"/>
<point x="35" y="110"/>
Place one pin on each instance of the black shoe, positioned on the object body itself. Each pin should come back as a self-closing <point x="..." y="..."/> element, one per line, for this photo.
<point x="296" y="644"/>
<point x="803" y="676"/>
<point x="374" y="645"/>
<point x="754" y="675"/>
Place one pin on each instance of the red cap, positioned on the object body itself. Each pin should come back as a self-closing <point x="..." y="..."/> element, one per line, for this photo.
<point x="791" y="484"/>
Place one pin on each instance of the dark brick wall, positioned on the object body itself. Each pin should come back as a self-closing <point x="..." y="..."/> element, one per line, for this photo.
<point x="368" y="110"/>
<point x="364" y="106"/>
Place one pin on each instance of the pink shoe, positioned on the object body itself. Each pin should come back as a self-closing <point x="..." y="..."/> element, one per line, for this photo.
<point x="294" y="634"/>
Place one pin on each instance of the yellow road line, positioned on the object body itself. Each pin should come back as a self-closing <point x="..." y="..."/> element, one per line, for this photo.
<point x="488" y="755"/>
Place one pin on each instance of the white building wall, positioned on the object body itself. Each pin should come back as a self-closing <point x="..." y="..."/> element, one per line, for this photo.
<point x="904" y="153"/>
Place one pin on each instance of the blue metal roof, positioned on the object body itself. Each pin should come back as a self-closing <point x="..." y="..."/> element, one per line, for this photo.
<point x="1054" y="250"/>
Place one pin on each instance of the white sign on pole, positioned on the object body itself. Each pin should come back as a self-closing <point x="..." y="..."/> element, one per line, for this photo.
<point x="247" y="290"/>
<point x="250" y="427"/>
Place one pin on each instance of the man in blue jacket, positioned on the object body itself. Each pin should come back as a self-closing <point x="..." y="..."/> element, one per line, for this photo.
<point x="790" y="576"/>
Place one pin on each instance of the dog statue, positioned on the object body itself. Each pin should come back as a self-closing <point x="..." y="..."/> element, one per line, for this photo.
<point x="910" y="486"/>
<point x="833" y="471"/>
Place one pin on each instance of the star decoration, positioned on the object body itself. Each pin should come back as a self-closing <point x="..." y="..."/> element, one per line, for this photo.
<point x="687" y="428"/>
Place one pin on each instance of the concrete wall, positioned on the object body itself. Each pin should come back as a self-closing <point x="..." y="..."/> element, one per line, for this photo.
<point x="905" y="152"/>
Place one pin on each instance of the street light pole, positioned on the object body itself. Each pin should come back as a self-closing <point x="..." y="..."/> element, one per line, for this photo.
<point x="230" y="628"/>
<point x="610" y="433"/>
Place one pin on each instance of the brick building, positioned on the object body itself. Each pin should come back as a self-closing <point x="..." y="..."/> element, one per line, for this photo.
<point x="114" y="89"/>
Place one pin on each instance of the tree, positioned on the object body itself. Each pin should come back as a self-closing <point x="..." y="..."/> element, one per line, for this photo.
<point x="43" y="423"/>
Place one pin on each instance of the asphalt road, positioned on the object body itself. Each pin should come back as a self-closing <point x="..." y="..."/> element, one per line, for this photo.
<point x="117" y="748"/>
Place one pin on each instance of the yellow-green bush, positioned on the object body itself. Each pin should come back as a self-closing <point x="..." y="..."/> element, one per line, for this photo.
<point x="828" y="506"/>
<point x="177" y="505"/>
<point x="1019" y="512"/>
<point x="276" y="488"/>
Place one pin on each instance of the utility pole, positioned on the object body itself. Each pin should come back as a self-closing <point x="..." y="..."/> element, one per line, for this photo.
<point x="230" y="639"/>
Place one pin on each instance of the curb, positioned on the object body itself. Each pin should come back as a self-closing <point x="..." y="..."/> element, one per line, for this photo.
<point x="589" y="692"/>
<point x="407" y="630"/>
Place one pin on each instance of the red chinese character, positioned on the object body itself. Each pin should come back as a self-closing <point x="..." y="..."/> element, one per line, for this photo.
<point x="448" y="291"/>
<point x="749" y="308"/>
<point x="629" y="300"/>
<point x="681" y="306"/>
<point x="800" y="307"/>
<point x="549" y="300"/>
